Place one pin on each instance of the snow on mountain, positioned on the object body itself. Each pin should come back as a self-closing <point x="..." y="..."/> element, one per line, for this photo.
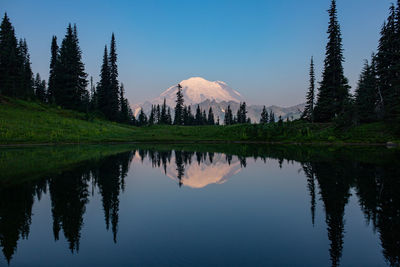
<point x="218" y="95"/>
<point x="195" y="90"/>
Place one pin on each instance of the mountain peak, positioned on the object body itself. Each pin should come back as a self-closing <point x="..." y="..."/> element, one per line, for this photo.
<point x="197" y="89"/>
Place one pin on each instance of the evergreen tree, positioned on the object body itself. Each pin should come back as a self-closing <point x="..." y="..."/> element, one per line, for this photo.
<point x="26" y="90"/>
<point x="169" y="117"/>
<point x="388" y="65"/>
<point x="264" y="116"/>
<point x="10" y="60"/>
<point x="40" y="88"/>
<point x="142" y="120"/>
<point x="271" y="117"/>
<point x="308" y="113"/>
<point x="70" y="82"/>
<point x="53" y="61"/>
<point x="199" y="116"/>
<point x="158" y="114"/>
<point x="179" y="107"/>
<point x="104" y="87"/>
<point x="151" y="118"/>
<point x="228" y="116"/>
<point x="164" y="119"/>
<point x="93" y="95"/>
<point x="333" y="93"/>
<point x="124" y="111"/>
<point x="204" y="118"/>
<point x="114" y="84"/>
<point x="366" y="95"/>
<point x="210" y="119"/>
<point x="241" y="116"/>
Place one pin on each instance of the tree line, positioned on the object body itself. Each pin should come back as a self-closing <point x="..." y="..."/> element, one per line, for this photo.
<point x="377" y="96"/>
<point x="68" y="81"/>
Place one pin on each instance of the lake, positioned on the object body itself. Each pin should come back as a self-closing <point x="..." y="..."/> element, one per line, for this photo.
<point x="199" y="205"/>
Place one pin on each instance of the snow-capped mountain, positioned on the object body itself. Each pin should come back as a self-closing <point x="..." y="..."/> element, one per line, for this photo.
<point x="218" y="95"/>
<point x="195" y="90"/>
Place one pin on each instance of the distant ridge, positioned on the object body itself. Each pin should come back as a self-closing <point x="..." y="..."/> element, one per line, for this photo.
<point x="218" y="95"/>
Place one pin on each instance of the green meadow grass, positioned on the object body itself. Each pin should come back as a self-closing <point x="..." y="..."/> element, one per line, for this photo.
<point x="23" y="122"/>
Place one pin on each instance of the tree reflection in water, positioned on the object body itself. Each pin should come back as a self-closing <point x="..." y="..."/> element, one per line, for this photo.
<point x="330" y="174"/>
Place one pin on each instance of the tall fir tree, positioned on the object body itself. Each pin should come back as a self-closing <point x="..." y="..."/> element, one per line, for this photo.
<point x="40" y="88"/>
<point x="70" y="82"/>
<point x="52" y="78"/>
<point x="158" y="114"/>
<point x="210" y="120"/>
<point x="114" y="84"/>
<point x="10" y="60"/>
<point x="104" y="88"/>
<point x="142" y="119"/>
<point x="333" y="95"/>
<point x="366" y="95"/>
<point x="271" y="117"/>
<point x="26" y="90"/>
<point x="264" y="116"/>
<point x="388" y="65"/>
<point x="169" y="116"/>
<point x="228" y="120"/>
<point x="164" y="118"/>
<point x="308" y="113"/>
<point x="124" y="109"/>
<point x="199" y="116"/>
<point x="179" y="107"/>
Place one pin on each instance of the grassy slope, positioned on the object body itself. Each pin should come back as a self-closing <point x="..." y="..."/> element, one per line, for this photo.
<point x="29" y="122"/>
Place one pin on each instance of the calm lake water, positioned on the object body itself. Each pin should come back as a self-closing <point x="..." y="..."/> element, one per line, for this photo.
<point x="237" y="205"/>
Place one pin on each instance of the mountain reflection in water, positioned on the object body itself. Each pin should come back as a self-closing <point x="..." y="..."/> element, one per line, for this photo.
<point x="331" y="177"/>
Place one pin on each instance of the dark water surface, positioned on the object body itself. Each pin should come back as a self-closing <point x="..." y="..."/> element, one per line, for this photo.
<point x="237" y="205"/>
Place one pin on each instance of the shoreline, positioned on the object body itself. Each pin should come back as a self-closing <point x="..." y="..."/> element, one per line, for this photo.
<point x="205" y="142"/>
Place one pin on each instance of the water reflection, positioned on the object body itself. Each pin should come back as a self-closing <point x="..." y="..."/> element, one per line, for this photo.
<point x="330" y="177"/>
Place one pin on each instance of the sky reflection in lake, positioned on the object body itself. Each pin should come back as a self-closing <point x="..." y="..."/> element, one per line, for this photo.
<point x="192" y="206"/>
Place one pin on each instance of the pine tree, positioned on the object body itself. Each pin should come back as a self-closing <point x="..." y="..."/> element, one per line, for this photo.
<point x="366" y="95"/>
<point x="271" y="117"/>
<point x="10" y="60"/>
<point x="333" y="95"/>
<point x="158" y="114"/>
<point x="124" y="111"/>
<point x="241" y="116"/>
<point x="40" y="88"/>
<point x="104" y="88"/>
<point x="199" y="116"/>
<point x="53" y="61"/>
<point x="169" y="117"/>
<point x="264" y="116"/>
<point x="179" y="107"/>
<point x="203" y="118"/>
<point x="388" y="65"/>
<point x="308" y="113"/>
<point x="70" y="76"/>
<point x="142" y="120"/>
<point x="164" y="119"/>
<point x="228" y="120"/>
<point x="114" y="84"/>
<point x="152" y="115"/>
<point x="26" y="90"/>
<point x="93" y="95"/>
<point x="210" y="119"/>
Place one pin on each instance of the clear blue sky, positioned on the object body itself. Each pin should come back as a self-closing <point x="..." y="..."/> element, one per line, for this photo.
<point x="260" y="48"/>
